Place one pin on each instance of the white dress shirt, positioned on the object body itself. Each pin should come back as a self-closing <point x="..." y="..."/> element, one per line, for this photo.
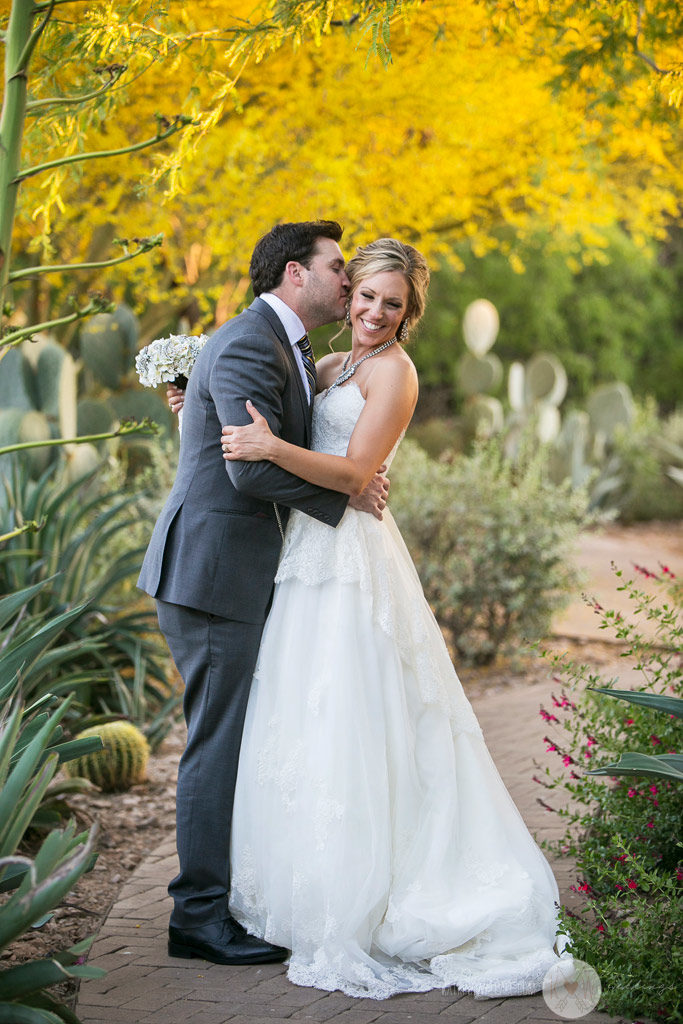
<point x="294" y="329"/>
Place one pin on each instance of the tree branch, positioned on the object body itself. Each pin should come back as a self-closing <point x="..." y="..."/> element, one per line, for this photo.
<point x="29" y="527"/>
<point x="636" y="44"/>
<point x="16" y="337"/>
<point x="145" y="427"/>
<point x="36" y="34"/>
<point x="54" y="3"/>
<point x="115" y="71"/>
<point x="174" y="126"/>
<point x="146" y="244"/>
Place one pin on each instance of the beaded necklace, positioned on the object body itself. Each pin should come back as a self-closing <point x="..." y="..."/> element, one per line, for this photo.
<point x="348" y="374"/>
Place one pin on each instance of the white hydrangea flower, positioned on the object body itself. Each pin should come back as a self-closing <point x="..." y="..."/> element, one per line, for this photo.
<point x="167" y="358"/>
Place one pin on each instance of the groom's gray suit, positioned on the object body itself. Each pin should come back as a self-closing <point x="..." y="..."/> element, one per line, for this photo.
<point x="210" y="564"/>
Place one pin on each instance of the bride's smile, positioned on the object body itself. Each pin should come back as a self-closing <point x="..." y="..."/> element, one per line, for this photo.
<point x="377" y="308"/>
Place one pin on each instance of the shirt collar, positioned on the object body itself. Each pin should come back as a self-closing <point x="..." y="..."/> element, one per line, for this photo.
<point x="291" y="322"/>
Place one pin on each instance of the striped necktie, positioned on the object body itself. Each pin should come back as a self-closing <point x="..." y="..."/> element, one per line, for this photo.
<point x="309" y="364"/>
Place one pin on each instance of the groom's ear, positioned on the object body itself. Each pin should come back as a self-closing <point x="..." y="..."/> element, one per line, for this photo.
<point x="294" y="273"/>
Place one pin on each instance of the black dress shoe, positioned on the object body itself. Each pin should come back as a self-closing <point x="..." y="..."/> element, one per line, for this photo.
<point x="224" y="942"/>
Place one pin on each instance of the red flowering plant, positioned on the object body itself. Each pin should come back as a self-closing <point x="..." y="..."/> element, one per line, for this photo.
<point x="618" y="780"/>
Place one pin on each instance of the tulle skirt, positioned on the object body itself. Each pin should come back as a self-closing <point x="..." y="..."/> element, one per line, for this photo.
<point x="372" y="834"/>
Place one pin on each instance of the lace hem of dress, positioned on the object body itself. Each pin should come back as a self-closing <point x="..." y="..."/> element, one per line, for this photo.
<point x="506" y="978"/>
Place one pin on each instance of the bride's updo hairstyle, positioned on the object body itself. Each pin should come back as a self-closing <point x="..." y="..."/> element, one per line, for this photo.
<point x="390" y="254"/>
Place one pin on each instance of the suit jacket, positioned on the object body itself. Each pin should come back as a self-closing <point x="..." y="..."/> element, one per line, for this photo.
<point x="216" y="544"/>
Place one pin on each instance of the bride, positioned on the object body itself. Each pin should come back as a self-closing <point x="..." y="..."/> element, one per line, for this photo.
<point x="372" y="834"/>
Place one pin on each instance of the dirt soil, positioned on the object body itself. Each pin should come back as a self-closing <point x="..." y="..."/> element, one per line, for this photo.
<point x="134" y="823"/>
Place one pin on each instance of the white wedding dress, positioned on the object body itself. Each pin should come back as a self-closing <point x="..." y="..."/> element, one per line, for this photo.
<point x="372" y="834"/>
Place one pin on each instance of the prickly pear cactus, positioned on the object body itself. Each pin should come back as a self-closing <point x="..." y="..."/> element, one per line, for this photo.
<point x="108" y="342"/>
<point x="121" y="764"/>
<point x="34" y="426"/>
<point x="609" y="407"/>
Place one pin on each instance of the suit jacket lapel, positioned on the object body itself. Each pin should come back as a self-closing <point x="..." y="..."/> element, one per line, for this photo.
<point x="261" y="307"/>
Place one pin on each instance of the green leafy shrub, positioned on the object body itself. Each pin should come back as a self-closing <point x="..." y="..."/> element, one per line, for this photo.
<point x="490" y="541"/>
<point x="625" y="832"/>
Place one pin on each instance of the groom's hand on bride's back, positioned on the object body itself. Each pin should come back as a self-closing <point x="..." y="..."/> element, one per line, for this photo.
<point x="374" y="498"/>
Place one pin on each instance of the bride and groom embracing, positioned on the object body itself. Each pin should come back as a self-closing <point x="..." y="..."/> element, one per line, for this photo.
<point x="367" y="834"/>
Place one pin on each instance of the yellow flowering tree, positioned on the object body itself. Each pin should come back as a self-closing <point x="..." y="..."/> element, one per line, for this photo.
<point x="488" y="117"/>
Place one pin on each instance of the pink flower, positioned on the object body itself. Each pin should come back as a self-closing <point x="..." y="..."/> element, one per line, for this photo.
<point x="591" y="741"/>
<point x="679" y="874"/>
<point x="619" y="887"/>
<point x="599" y="927"/>
<point x="631" y="884"/>
<point x="633" y="792"/>
<point x="655" y="739"/>
<point x="650" y="824"/>
<point x="588" y="755"/>
<point x="629" y="721"/>
<point x="653" y="789"/>
<point x="567" y="760"/>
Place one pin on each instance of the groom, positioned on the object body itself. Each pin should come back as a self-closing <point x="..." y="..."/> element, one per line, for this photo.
<point x="213" y="554"/>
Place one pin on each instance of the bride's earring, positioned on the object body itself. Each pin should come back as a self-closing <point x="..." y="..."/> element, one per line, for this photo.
<point x="347" y="317"/>
<point x="403" y="333"/>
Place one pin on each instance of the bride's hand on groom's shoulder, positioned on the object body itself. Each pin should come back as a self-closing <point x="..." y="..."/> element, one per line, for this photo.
<point x="176" y="398"/>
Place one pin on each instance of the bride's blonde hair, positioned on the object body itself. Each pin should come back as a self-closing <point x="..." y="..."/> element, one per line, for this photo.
<point x="390" y="254"/>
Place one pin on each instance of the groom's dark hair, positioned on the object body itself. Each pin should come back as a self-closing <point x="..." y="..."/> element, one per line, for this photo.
<point x="287" y="242"/>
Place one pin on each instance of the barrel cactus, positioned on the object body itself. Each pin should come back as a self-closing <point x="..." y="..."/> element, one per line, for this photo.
<point x="121" y="764"/>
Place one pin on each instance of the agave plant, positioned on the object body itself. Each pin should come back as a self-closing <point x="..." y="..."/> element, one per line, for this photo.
<point x="30" y="753"/>
<point x="81" y="569"/>
<point x="665" y="766"/>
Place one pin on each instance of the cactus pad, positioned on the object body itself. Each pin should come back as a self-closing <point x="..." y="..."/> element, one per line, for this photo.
<point x="483" y="416"/>
<point x="609" y="407"/>
<point x="479" y="375"/>
<point x="480" y="326"/>
<point x="546" y="379"/>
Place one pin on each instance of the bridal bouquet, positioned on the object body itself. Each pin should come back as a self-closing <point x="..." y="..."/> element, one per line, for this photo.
<point x="168" y="359"/>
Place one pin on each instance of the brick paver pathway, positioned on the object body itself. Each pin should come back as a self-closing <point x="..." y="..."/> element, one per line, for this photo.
<point x="145" y="986"/>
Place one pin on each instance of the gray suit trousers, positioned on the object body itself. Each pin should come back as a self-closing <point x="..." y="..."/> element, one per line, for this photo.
<point x="216" y="658"/>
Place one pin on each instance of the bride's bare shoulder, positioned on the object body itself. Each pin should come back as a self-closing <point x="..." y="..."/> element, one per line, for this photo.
<point x="329" y="367"/>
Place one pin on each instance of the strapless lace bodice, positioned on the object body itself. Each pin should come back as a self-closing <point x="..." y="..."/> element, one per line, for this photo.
<point x="335" y="415"/>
